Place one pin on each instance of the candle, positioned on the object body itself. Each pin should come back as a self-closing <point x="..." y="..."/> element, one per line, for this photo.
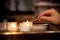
<point x="39" y="27"/>
<point x="12" y="26"/>
<point x="2" y="26"/>
<point x="25" y="26"/>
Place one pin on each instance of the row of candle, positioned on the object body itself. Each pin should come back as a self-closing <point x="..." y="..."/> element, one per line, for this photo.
<point x="12" y="26"/>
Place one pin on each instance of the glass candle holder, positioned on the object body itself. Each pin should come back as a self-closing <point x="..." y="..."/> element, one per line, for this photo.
<point x="25" y="26"/>
<point x="2" y="26"/>
<point x="12" y="26"/>
<point x="39" y="27"/>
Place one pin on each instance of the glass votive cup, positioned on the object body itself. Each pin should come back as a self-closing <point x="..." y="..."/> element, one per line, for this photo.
<point x="39" y="27"/>
<point x="12" y="26"/>
<point x="25" y="27"/>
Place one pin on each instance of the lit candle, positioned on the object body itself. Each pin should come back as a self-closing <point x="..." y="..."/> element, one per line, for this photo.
<point x="25" y="26"/>
<point x="12" y="26"/>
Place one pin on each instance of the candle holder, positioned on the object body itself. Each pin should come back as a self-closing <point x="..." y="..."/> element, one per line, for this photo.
<point x="39" y="27"/>
<point x="12" y="26"/>
<point x="25" y="26"/>
<point x="2" y="26"/>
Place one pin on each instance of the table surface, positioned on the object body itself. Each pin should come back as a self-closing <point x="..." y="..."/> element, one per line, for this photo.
<point x="15" y="33"/>
<point x="46" y="35"/>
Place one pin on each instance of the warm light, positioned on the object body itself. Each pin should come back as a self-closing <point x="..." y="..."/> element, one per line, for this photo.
<point x="27" y="21"/>
<point x="25" y="26"/>
<point x="12" y="33"/>
<point x="12" y="26"/>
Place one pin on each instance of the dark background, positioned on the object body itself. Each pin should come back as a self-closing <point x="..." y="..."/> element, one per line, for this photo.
<point x="4" y="11"/>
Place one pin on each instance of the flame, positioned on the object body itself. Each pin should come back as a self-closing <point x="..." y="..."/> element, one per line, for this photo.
<point x="27" y="21"/>
<point x="13" y="26"/>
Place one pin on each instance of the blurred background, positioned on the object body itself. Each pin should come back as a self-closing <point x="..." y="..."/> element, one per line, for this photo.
<point x="22" y="10"/>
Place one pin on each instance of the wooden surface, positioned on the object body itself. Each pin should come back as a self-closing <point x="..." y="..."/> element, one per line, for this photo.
<point x="38" y="36"/>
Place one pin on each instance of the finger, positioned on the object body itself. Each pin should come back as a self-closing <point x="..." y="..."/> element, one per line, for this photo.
<point x="46" y="18"/>
<point x="50" y="12"/>
<point x="39" y="18"/>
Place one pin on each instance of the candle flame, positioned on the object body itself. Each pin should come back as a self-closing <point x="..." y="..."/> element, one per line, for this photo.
<point x="13" y="25"/>
<point x="27" y="21"/>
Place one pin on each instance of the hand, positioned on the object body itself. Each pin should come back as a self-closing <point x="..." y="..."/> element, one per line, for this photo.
<point x="50" y="15"/>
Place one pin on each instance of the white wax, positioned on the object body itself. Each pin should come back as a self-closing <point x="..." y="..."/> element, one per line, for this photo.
<point x="25" y="26"/>
<point x="40" y="26"/>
